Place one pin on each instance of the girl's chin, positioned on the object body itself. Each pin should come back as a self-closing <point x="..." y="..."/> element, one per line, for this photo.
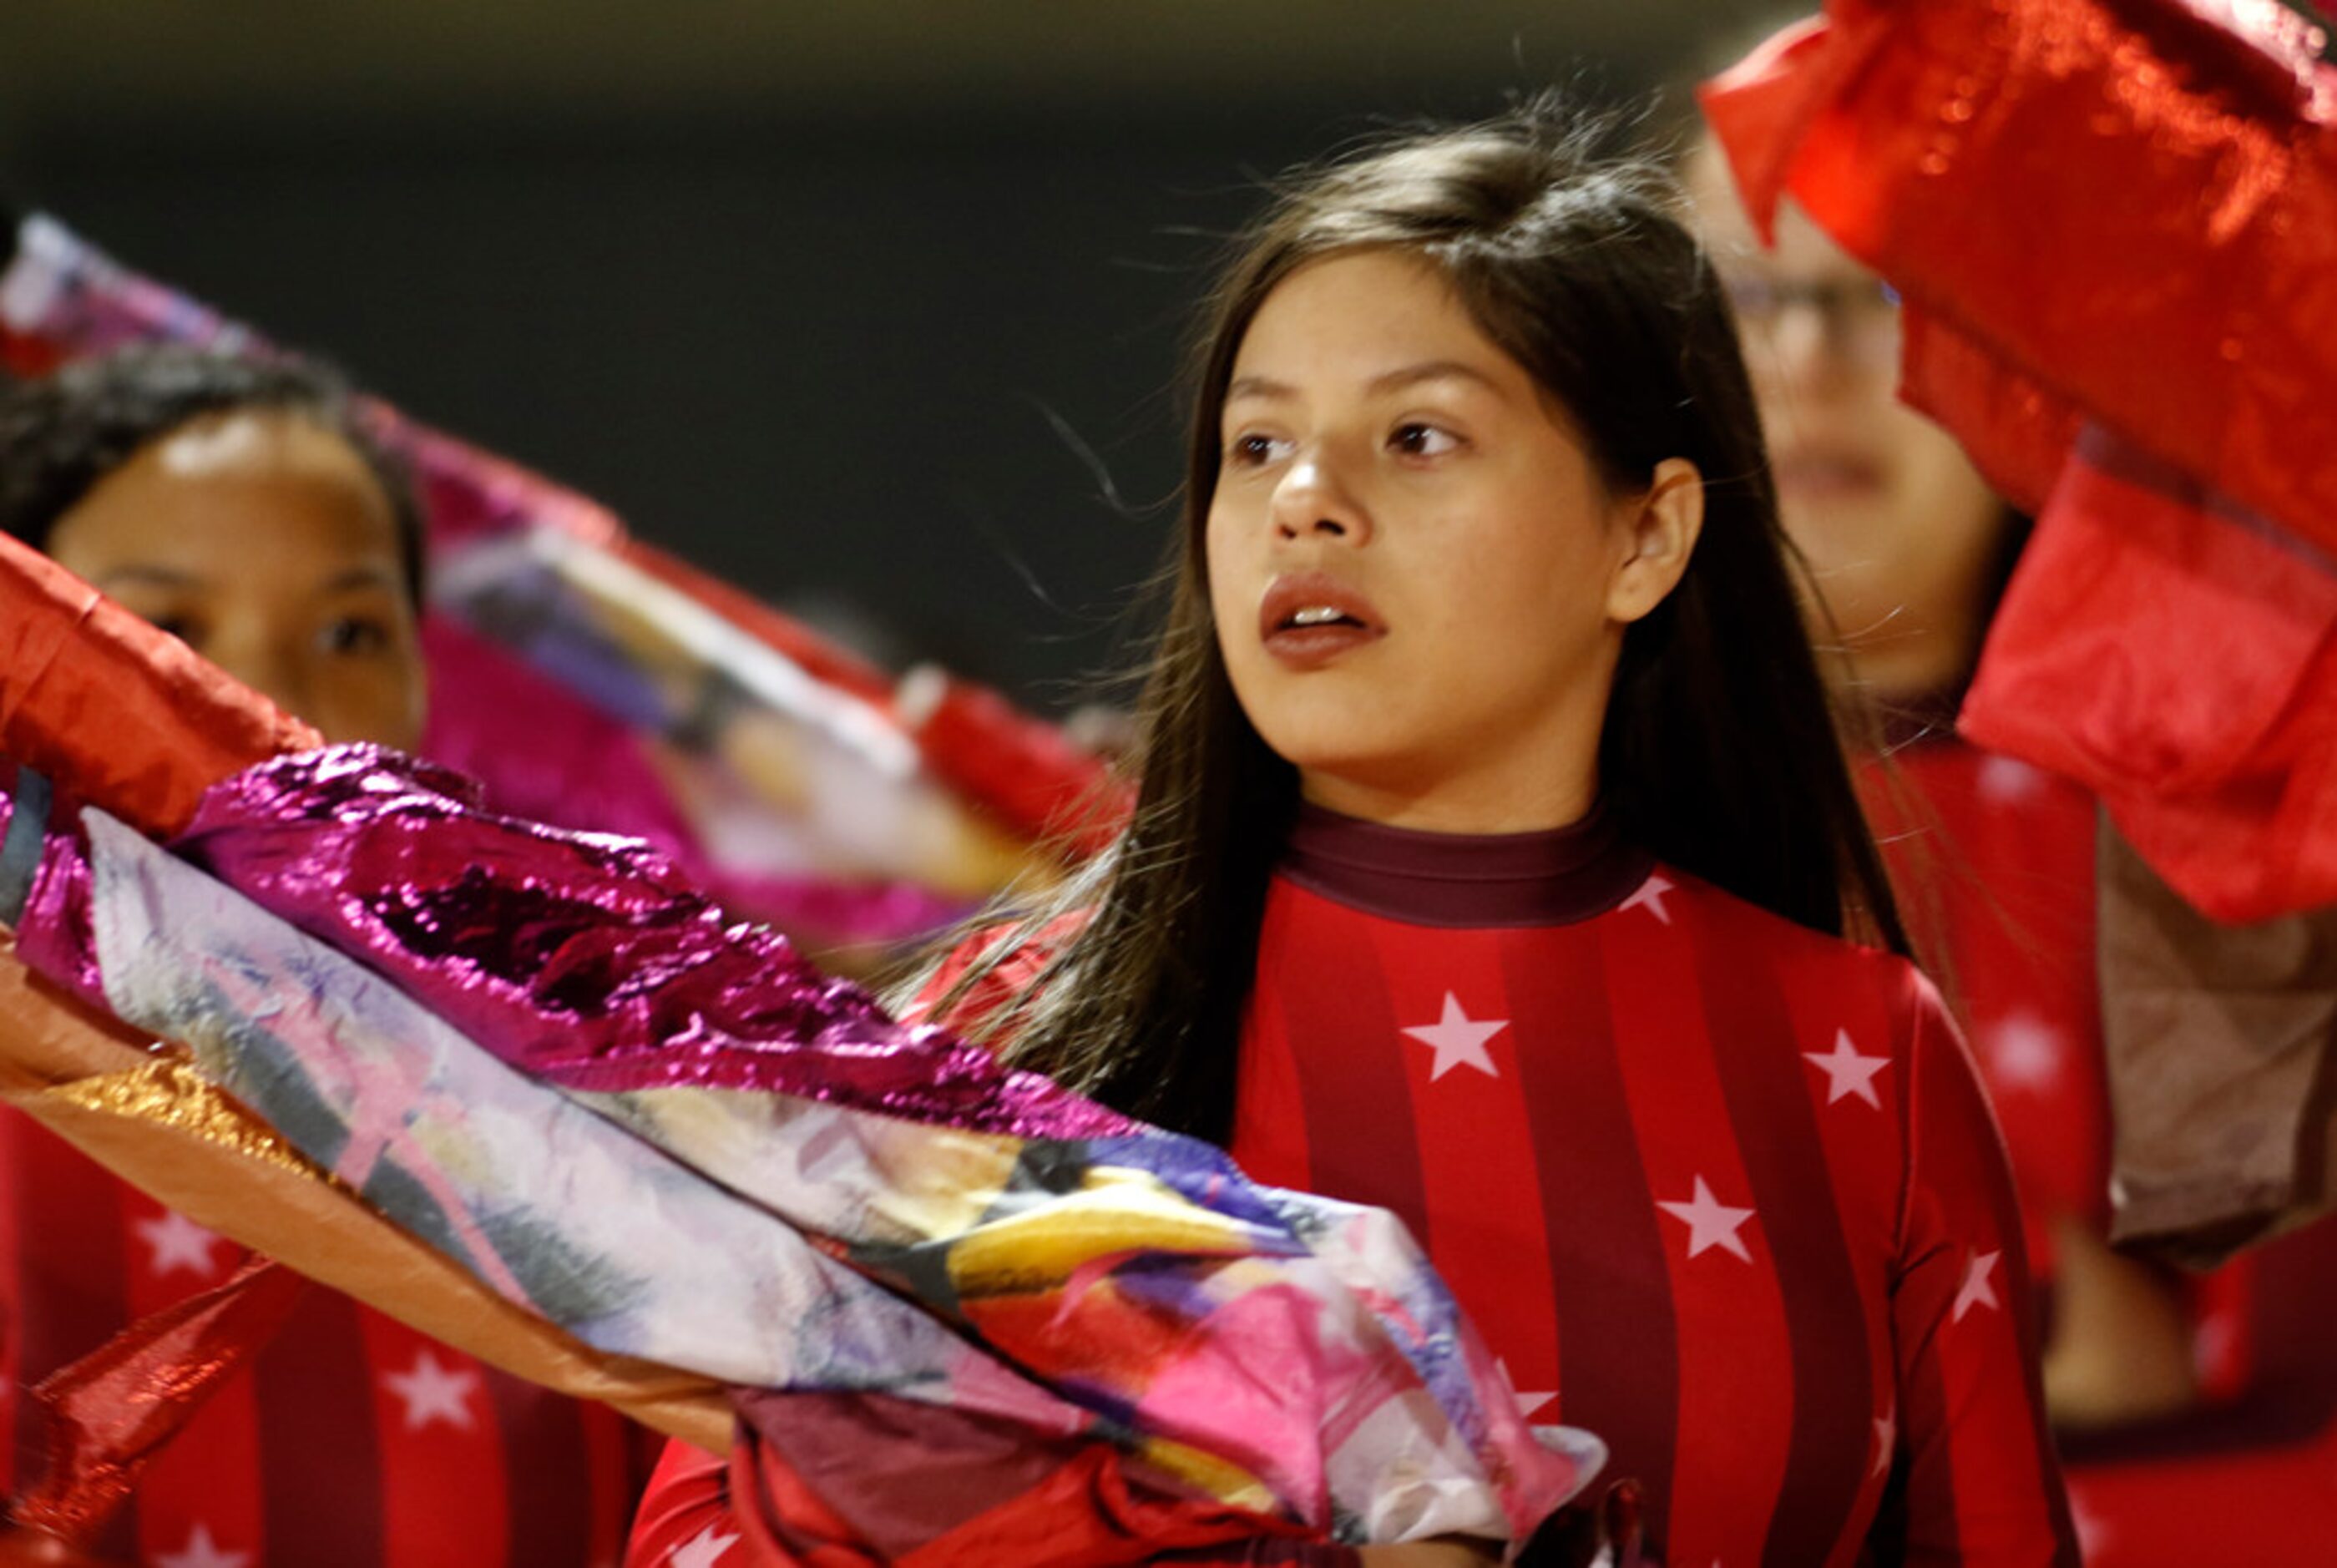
<point x="1334" y="752"/>
<point x="1349" y="739"/>
<point x="1341" y="782"/>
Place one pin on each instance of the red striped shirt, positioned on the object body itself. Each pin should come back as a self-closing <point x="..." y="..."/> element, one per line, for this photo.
<point x="350" y="1440"/>
<point x="1724" y="1186"/>
<point x="1719" y="1188"/>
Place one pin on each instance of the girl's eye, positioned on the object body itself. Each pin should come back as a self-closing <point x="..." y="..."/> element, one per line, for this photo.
<point x="1251" y="450"/>
<point x="353" y="634"/>
<point x="1418" y="440"/>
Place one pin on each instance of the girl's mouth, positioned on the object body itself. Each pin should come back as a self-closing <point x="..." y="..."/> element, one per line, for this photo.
<point x="1308" y="618"/>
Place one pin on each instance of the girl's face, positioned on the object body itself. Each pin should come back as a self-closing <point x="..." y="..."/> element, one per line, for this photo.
<point x="1898" y="529"/>
<point x="265" y="542"/>
<point x="1420" y="580"/>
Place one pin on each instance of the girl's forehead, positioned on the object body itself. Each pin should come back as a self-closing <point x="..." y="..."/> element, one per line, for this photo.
<point x="1362" y="314"/>
<point x="238" y="494"/>
<point x="247" y="441"/>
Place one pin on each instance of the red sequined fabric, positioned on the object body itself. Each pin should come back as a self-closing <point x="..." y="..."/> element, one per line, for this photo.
<point x="2114" y="224"/>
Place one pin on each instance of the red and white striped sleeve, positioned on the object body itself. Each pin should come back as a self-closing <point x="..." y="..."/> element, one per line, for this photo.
<point x="1975" y="1479"/>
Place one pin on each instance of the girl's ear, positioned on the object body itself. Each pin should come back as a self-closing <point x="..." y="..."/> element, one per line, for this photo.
<point x="1663" y="523"/>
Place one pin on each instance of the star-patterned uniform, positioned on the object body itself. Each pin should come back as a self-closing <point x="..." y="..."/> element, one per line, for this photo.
<point x="352" y="1440"/>
<point x="1726" y="1185"/>
<point x="1997" y="857"/>
<point x="1719" y="1188"/>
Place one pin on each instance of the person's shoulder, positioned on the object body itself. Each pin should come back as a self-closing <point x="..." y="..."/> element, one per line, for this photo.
<point x="1802" y="953"/>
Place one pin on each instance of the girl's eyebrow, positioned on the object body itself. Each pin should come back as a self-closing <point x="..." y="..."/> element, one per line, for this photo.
<point x="362" y="578"/>
<point x="173" y="577"/>
<point x="1258" y="386"/>
<point x="1266" y="386"/>
<point x="155" y="576"/>
<point x="1433" y="370"/>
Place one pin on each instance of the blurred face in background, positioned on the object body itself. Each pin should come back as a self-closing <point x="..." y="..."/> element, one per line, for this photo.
<point x="265" y="542"/>
<point x="1899" y="531"/>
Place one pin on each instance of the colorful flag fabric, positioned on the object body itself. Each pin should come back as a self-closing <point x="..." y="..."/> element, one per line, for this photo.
<point x="546" y="1058"/>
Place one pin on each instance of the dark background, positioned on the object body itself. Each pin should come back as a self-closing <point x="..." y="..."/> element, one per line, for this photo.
<point x="874" y="308"/>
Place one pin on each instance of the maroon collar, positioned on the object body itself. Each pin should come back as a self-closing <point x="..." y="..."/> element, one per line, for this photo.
<point x="1464" y="879"/>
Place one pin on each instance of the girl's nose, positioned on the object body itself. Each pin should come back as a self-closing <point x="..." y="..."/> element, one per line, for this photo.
<point x="1311" y="500"/>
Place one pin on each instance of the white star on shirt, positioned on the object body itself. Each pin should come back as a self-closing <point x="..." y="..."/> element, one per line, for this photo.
<point x="702" y="1549"/>
<point x="1650" y="897"/>
<point x="1975" y="1290"/>
<point x="2024" y="1052"/>
<point x="1459" y="1040"/>
<point x="433" y="1393"/>
<point x="1848" y="1073"/>
<point x="2008" y="781"/>
<point x="1710" y="1222"/>
<point x="202" y="1552"/>
<point x="1886" y="1440"/>
<point x="178" y="1243"/>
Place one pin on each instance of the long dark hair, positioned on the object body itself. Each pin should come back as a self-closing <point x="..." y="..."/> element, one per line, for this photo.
<point x="1719" y="753"/>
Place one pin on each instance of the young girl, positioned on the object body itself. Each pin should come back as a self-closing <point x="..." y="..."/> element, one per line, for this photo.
<point x="242" y="506"/>
<point x="1495" y="862"/>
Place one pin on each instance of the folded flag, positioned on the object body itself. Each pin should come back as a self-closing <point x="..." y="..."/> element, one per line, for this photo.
<point x="550" y="1061"/>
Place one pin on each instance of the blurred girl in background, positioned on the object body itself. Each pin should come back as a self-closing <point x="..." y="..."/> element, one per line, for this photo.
<point x="2196" y="1422"/>
<point x="243" y="506"/>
